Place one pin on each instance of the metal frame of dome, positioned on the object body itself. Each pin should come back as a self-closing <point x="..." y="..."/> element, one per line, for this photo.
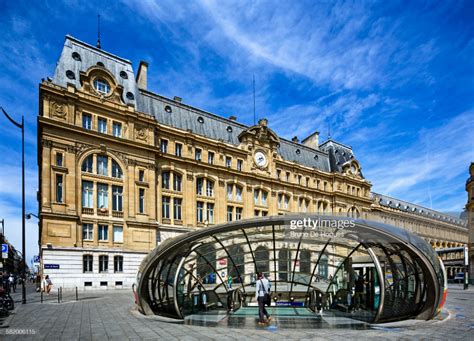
<point x="377" y="240"/>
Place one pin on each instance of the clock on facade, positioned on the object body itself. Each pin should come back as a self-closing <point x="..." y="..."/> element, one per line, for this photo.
<point x="260" y="159"/>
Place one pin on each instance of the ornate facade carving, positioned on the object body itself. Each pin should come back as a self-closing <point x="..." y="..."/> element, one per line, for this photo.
<point x="58" y="109"/>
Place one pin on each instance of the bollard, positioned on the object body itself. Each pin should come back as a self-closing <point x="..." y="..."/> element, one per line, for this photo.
<point x="61" y="291"/>
<point x="58" y="295"/>
<point x="41" y="291"/>
<point x="76" y="294"/>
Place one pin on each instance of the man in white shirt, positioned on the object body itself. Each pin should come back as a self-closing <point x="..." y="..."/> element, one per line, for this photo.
<point x="262" y="288"/>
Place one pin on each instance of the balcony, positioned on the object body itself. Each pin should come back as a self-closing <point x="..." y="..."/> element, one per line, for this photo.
<point x="88" y="210"/>
<point x="117" y="214"/>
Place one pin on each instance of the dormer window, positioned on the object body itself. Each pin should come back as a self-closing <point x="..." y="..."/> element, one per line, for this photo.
<point x="102" y="86"/>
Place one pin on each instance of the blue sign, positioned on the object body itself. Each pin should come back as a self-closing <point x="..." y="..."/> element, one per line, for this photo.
<point x="36" y="259"/>
<point x="51" y="266"/>
<point x="4" y="248"/>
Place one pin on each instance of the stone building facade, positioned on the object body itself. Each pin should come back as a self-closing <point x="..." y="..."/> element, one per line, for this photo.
<point x="122" y="169"/>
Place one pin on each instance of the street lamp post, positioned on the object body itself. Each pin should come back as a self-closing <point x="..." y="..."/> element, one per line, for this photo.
<point x="22" y="127"/>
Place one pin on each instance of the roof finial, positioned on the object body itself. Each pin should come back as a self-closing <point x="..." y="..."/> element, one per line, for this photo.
<point x="98" y="31"/>
<point x="329" y="130"/>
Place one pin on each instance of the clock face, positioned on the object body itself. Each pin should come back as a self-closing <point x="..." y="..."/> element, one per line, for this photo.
<point x="260" y="159"/>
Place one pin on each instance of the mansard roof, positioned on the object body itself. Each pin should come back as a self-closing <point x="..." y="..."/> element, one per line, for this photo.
<point x="386" y="201"/>
<point x="181" y="116"/>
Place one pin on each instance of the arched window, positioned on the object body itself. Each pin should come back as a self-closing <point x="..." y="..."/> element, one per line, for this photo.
<point x="205" y="187"/>
<point x="177" y="180"/>
<point x="262" y="259"/>
<point x="87" y="164"/>
<point x="238" y="258"/>
<point x="116" y="170"/>
<point x="206" y="264"/>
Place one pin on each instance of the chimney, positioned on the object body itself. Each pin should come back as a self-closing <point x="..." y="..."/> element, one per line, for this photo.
<point x="295" y="139"/>
<point x="312" y="141"/>
<point x="177" y="99"/>
<point x="233" y="118"/>
<point x="142" y="75"/>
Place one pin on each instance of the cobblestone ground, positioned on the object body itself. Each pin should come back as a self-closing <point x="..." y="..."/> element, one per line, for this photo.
<point x="109" y="315"/>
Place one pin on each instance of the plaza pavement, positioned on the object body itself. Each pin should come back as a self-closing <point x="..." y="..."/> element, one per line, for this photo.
<point x="110" y="315"/>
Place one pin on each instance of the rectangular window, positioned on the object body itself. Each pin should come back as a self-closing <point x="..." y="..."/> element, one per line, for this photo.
<point x="87" y="232"/>
<point x="264" y="213"/>
<point x="87" y="194"/>
<point x="164" y="146"/>
<point x="210" y="158"/>
<point x="256" y="213"/>
<point x="209" y="188"/>
<point x="229" y="192"/>
<point x="177" y="208"/>
<point x="199" y="185"/>
<point x="59" y="159"/>
<point x="264" y="198"/>
<point x="210" y="213"/>
<point x="238" y="213"/>
<point x="299" y="179"/>
<point x="307" y="182"/>
<point x="279" y="201"/>
<point x="102" y="196"/>
<point x="286" y="202"/>
<point x="103" y="263"/>
<point x="278" y="174"/>
<point x="86" y="121"/>
<point x="117" y="198"/>
<point x="230" y="213"/>
<point x="165" y="180"/>
<point x="165" y="207"/>
<point x="255" y="196"/>
<point x="199" y="212"/>
<point x="228" y="161"/>
<point x="102" y="165"/>
<point x="102" y="125"/>
<point x="118" y="264"/>
<point x="103" y="232"/>
<point x="178" y="149"/>
<point x="239" y="165"/>
<point x="141" y="200"/>
<point x="197" y="154"/>
<point x="117" y="129"/>
<point x="287" y="176"/>
<point x="177" y="182"/>
<point x="87" y="263"/>
<point x="59" y="188"/>
<point x="238" y="193"/>
<point x="118" y="234"/>
<point x="141" y="175"/>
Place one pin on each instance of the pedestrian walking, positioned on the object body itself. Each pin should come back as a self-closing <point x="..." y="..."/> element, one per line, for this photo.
<point x="12" y="282"/>
<point x="49" y="284"/>
<point x="262" y="294"/>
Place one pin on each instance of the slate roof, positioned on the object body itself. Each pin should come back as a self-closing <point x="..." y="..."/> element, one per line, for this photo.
<point x="182" y="116"/>
<point x="405" y="206"/>
<point x="90" y="56"/>
<point x="338" y="153"/>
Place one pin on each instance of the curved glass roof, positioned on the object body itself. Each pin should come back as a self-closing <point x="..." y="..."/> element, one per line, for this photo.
<point x="318" y="262"/>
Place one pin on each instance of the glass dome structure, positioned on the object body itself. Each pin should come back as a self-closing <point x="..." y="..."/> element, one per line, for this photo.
<point x="376" y="272"/>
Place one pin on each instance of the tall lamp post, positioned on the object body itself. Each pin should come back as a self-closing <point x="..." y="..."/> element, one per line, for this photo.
<point x="22" y="127"/>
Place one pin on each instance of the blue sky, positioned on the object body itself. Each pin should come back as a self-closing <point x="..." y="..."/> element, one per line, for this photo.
<point x="394" y="80"/>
